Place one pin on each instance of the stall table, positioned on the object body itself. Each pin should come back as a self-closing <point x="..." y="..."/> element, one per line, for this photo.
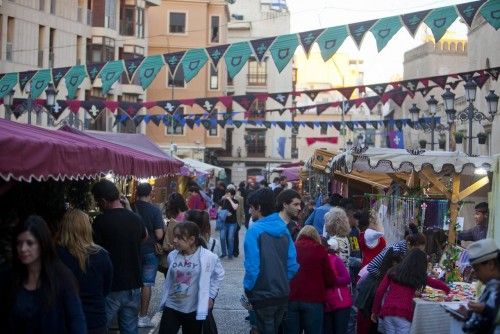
<point x="431" y="317"/>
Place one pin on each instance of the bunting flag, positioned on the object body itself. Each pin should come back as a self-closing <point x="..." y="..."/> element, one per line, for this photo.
<point x="481" y="80"/>
<point x="260" y="46"/>
<point x="236" y="57"/>
<point x="384" y="30"/>
<point x="346" y="92"/>
<point x="138" y="119"/>
<point x="39" y="82"/>
<point x="94" y="108"/>
<point x="156" y="119"/>
<point x="244" y="101"/>
<point x="57" y="109"/>
<point x="453" y="85"/>
<point x="378" y="89"/>
<point x="24" y="78"/>
<point x="491" y="13"/>
<point x="216" y="53"/>
<point x="413" y="21"/>
<point x="359" y="29"/>
<point x="58" y="74"/>
<point x="192" y="62"/>
<point x="149" y="69"/>
<point x="281" y="98"/>
<point x="283" y="49"/>
<point x="208" y="103"/>
<point x="468" y="11"/>
<point x="130" y="108"/>
<point x="110" y="73"/>
<point x="330" y="140"/>
<point x="439" y="20"/>
<point x="330" y="41"/>
<point x="73" y="79"/>
<point x="237" y="124"/>
<point x="173" y="60"/>
<point x="371" y="101"/>
<point x="440" y="80"/>
<point x="131" y="66"/>
<point x="308" y="38"/>
<point x="312" y="94"/>
<point x="169" y="106"/>
<point x="93" y="70"/>
<point x="410" y="85"/>
<point x="493" y="72"/>
<point x="320" y="108"/>
<point x="7" y="83"/>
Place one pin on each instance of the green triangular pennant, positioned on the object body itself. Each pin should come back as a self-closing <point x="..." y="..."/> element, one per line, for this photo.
<point x="236" y="57"/>
<point x="441" y="19"/>
<point x="110" y="73"/>
<point x="491" y="13"/>
<point x="283" y="50"/>
<point x="39" y="81"/>
<point x="331" y="40"/>
<point x="385" y="29"/>
<point x="7" y="83"/>
<point x="149" y="69"/>
<point x="73" y="79"/>
<point x="192" y="63"/>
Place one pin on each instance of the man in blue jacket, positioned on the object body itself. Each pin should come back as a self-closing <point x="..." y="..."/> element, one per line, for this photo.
<point x="317" y="217"/>
<point x="270" y="257"/>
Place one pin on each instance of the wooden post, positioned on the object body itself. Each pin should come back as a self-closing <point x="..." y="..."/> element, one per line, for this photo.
<point x="454" y="209"/>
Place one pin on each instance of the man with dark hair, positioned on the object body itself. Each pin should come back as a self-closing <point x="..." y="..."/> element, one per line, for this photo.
<point x="281" y="186"/>
<point x="121" y="233"/>
<point x="317" y="217"/>
<point x="261" y="203"/>
<point x="479" y="231"/>
<point x="153" y="221"/>
<point x="270" y="258"/>
<point x="219" y="192"/>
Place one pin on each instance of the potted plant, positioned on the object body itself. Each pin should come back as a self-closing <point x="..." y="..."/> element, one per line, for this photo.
<point x="481" y="138"/>
<point x="442" y="143"/>
<point x="423" y="143"/>
<point x="459" y="137"/>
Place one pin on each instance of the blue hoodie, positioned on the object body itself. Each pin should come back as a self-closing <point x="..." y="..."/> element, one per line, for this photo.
<point x="270" y="261"/>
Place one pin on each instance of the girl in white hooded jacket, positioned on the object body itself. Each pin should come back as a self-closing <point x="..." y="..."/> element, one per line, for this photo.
<point x="191" y="284"/>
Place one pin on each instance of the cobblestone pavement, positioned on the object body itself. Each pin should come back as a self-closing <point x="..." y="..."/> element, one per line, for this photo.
<point x="228" y="312"/>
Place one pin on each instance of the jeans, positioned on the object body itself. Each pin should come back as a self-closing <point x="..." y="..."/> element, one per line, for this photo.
<point x="149" y="268"/>
<point x="227" y="235"/>
<point x="337" y="321"/>
<point x="269" y="318"/>
<point x="236" y="250"/>
<point x="172" y="320"/>
<point x="126" y="304"/>
<point x="304" y="316"/>
<point x="396" y="325"/>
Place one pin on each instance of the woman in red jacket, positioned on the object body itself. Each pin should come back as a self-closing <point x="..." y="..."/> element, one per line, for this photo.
<point x="394" y="297"/>
<point x="308" y="287"/>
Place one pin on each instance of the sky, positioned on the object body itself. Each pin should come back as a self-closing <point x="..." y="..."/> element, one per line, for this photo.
<point x="379" y="67"/>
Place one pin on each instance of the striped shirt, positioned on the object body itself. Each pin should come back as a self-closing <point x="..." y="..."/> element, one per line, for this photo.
<point x="399" y="248"/>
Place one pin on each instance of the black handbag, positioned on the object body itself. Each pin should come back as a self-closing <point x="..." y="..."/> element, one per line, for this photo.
<point x="209" y="325"/>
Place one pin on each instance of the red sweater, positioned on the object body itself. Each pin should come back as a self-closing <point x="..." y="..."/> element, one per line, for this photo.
<point x="398" y="301"/>
<point x="367" y="252"/>
<point x="315" y="274"/>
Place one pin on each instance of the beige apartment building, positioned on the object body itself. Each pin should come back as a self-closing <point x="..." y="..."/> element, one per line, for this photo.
<point x="178" y="26"/>
<point x="56" y="33"/>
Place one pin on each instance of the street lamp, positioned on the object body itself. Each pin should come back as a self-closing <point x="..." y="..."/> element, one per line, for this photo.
<point x="414" y="115"/>
<point x="294" y="149"/>
<point x="470" y="113"/>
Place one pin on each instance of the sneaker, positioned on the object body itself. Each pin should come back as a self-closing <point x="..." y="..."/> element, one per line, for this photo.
<point x="145" y="322"/>
<point x="222" y="256"/>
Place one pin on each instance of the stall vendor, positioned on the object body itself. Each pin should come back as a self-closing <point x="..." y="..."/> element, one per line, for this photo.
<point x="479" y="231"/>
<point x="484" y="258"/>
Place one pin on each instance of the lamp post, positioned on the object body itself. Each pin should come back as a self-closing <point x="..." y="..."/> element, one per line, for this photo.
<point x="470" y="113"/>
<point x="28" y="106"/>
<point x="414" y="115"/>
<point x="294" y="152"/>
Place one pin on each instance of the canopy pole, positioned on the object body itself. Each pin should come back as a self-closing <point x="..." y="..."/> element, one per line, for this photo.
<point x="454" y="209"/>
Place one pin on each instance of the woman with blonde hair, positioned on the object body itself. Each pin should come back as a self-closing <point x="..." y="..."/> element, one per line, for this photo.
<point x="308" y="288"/>
<point x="90" y="264"/>
<point x="337" y="227"/>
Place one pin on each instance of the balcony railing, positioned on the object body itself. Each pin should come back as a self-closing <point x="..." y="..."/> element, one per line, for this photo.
<point x="257" y="79"/>
<point x="8" y="51"/>
<point x="40" y="58"/>
<point x="256" y="150"/>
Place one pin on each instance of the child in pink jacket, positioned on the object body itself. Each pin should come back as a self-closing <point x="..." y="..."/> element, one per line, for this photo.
<point x="393" y="304"/>
<point x="338" y="300"/>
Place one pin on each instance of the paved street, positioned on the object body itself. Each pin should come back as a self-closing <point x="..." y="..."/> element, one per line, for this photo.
<point x="228" y="312"/>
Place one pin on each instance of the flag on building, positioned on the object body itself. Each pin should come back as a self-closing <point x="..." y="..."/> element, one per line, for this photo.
<point x="396" y="139"/>
<point x="281" y="146"/>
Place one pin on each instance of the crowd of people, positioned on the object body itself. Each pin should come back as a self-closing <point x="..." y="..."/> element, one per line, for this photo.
<point x="309" y="266"/>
